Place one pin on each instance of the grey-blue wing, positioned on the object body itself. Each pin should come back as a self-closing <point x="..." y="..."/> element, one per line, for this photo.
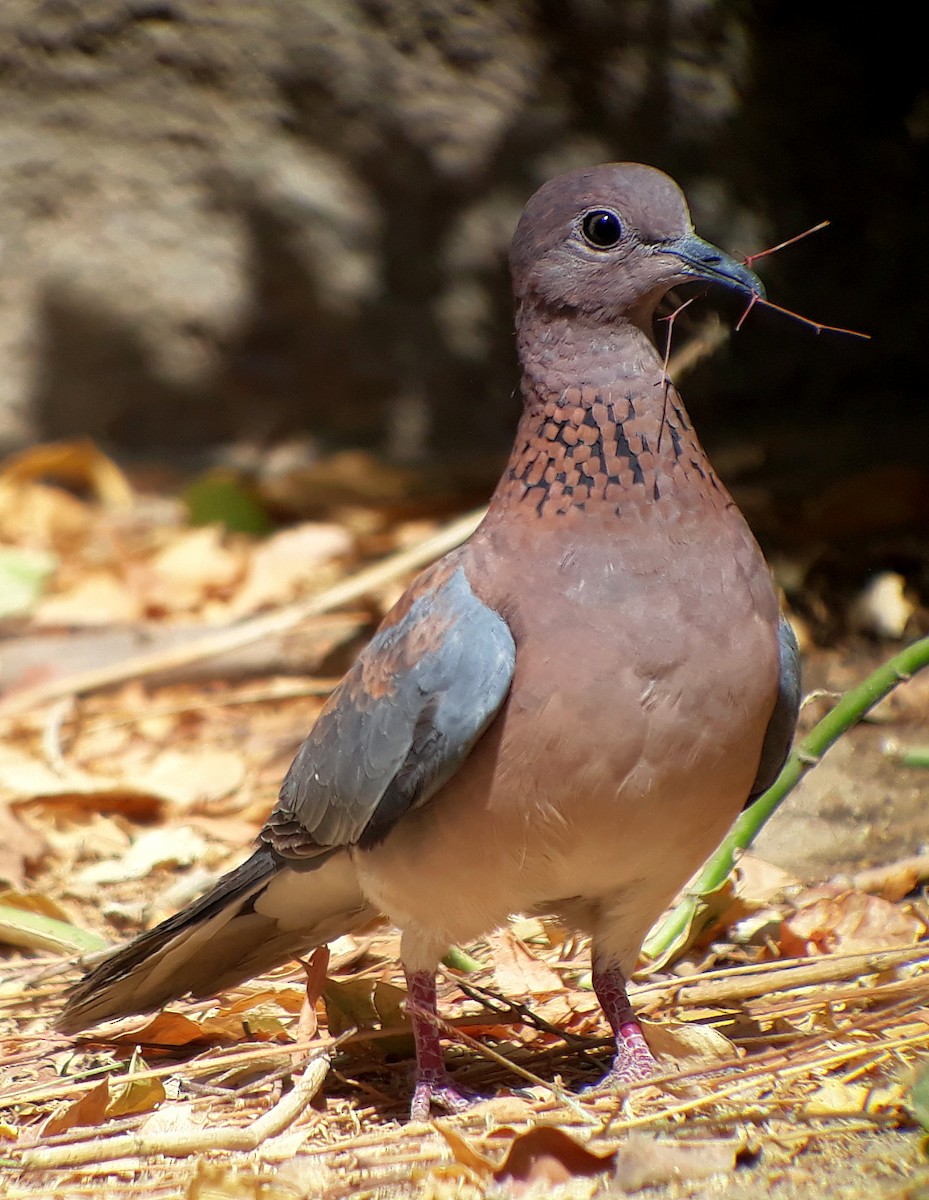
<point x="401" y="722"/>
<point x="783" y="722"/>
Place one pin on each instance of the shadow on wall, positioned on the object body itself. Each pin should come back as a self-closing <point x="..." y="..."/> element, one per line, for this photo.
<point x="443" y="118"/>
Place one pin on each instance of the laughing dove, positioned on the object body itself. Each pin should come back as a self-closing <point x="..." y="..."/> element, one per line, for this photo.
<point x="563" y="715"/>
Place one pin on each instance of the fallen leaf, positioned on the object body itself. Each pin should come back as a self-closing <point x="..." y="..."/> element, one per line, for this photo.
<point x="848" y="921"/>
<point x="221" y="498"/>
<point x="90" y="1109"/>
<point x="760" y="882"/>
<point x="836" y="1098"/>
<point x="24" y="774"/>
<point x="79" y="462"/>
<point x="464" y="1151"/>
<point x="644" y="1161"/>
<point x="547" y="1155"/>
<point x="174" y="845"/>
<point x="96" y="799"/>
<point x="517" y="971"/>
<point x="259" y="1022"/>
<point x="366" y="1004"/>
<point x="166" y="1029"/>
<point x="135" y="1095"/>
<point x="34" y="902"/>
<point x="96" y="598"/>
<point x="189" y="778"/>
<point x="42" y="517"/>
<point x="195" y="565"/>
<point x="285" y="563"/>
<point x="687" y="1039"/>
<point x="883" y="606"/>
<point x="35" y="931"/>
<point x="893" y="880"/>
<point x="21" y="846"/>
<point x="316" y="974"/>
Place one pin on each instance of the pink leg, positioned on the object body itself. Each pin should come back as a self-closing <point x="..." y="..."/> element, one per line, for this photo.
<point x="433" y="1084"/>
<point x="633" y="1058"/>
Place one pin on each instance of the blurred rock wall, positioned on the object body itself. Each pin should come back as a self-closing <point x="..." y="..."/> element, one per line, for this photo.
<point x="223" y="220"/>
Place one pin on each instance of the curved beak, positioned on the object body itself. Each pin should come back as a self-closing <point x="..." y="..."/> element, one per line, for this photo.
<point x="704" y="261"/>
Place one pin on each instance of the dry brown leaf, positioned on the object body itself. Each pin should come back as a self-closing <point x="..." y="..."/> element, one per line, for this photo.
<point x="188" y="778"/>
<point x="548" y="1156"/>
<point x="836" y="1098"/>
<point x="644" y="1161"/>
<point x="286" y="562"/>
<point x="23" y="774"/>
<point x="177" y="845"/>
<point x="195" y="565"/>
<point x="21" y="846"/>
<point x="95" y="799"/>
<point x="166" y="1029"/>
<point x="893" y="880"/>
<point x="35" y="902"/>
<point x="348" y="950"/>
<point x="517" y="971"/>
<point x="135" y="1096"/>
<point x="42" y="517"/>
<point x="316" y="974"/>
<point x="544" y="1156"/>
<point x="95" y="598"/>
<point x="760" y="882"/>
<point x="687" y="1039"/>
<point x="464" y="1151"/>
<point x="79" y="462"/>
<point x="90" y="1109"/>
<point x="258" y="1023"/>
<point x="849" y="921"/>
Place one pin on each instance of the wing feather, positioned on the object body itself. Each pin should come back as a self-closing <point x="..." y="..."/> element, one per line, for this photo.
<point x="401" y="723"/>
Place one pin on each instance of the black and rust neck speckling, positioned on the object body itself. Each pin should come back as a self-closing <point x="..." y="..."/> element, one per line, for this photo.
<point x="603" y="431"/>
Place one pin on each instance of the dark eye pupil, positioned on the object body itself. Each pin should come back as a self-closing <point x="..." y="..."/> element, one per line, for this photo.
<point x="602" y="229"/>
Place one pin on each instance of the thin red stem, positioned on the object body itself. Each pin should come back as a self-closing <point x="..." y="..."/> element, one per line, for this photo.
<point x="817" y="325"/>
<point x="750" y="258"/>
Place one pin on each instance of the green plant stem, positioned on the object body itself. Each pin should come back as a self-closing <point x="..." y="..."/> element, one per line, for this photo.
<point x="460" y="960"/>
<point x="848" y="712"/>
<point x="20" y="927"/>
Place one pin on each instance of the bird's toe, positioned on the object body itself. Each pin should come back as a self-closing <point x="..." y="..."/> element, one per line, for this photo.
<point x="438" y="1088"/>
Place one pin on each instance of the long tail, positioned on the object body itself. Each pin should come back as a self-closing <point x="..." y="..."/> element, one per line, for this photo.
<point x="255" y="918"/>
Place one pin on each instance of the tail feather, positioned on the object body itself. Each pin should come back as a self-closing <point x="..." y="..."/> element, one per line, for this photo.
<point x="256" y="917"/>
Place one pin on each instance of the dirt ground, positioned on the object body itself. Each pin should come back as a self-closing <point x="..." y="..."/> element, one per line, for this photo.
<point x="134" y="769"/>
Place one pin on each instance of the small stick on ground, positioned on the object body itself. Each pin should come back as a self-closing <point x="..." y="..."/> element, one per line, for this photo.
<point x="182" y="1145"/>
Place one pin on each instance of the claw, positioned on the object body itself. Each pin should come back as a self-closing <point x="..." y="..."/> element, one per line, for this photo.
<point x="434" y="1085"/>
<point x="633" y="1060"/>
<point x="439" y="1089"/>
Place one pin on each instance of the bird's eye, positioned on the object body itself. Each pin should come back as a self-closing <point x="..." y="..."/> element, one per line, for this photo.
<point x="601" y="229"/>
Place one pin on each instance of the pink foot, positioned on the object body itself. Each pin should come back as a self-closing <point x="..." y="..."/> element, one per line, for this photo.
<point x="633" y="1060"/>
<point x="433" y="1083"/>
<point x="440" y="1090"/>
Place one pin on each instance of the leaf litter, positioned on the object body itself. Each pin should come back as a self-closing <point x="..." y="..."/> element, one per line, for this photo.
<point x="790" y="1034"/>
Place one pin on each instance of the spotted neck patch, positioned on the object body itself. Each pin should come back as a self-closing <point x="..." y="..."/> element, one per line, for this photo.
<point x="591" y="448"/>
